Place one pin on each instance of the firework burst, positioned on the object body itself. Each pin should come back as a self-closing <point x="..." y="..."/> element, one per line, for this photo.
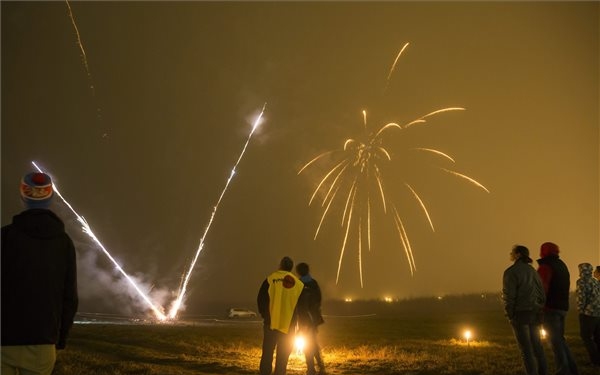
<point x="354" y="182"/>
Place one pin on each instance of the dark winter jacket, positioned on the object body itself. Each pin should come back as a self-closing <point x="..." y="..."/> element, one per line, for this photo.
<point x="309" y="303"/>
<point x="555" y="278"/>
<point x="522" y="289"/>
<point x="39" y="280"/>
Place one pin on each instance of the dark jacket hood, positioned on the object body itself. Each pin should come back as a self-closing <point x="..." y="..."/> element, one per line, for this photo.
<point x="548" y="249"/>
<point x="39" y="223"/>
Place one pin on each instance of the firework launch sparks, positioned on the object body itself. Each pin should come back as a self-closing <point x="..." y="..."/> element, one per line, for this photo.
<point x="186" y="278"/>
<point x="88" y="230"/>
<point x="356" y="177"/>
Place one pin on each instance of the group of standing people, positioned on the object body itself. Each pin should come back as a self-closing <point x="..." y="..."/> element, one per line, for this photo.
<point x="290" y="303"/>
<point x="535" y="300"/>
<point x="39" y="284"/>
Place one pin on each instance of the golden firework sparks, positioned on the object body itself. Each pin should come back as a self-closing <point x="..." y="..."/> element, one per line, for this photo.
<point x="356" y="181"/>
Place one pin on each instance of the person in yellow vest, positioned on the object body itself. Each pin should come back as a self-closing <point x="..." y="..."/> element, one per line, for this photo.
<point x="277" y="299"/>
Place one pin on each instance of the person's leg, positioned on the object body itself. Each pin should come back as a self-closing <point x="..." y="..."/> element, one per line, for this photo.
<point x="586" y="331"/>
<point x="285" y="344"/>
<point x="28" y="359"/>
<point x="553" y="323"/>
<point x="38" y="360"/>
<point x="596" y="334"/>
<point x="538" y="348"/>
<point x="268" y="347"/>
<point x="520" y="326"/>
<point x="309" y="351"/>
<point x="568" y="355"/>
<point x="317" y="353"/>
<point x="11" y="358"/>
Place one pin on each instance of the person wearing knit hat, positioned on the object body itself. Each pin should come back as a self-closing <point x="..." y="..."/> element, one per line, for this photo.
<point x="556" y="280"/>
<point x="39" y="282"/>
<point x="523" y="297"/>
<point x="36" y="190"/>
<point x="587" y="291"/>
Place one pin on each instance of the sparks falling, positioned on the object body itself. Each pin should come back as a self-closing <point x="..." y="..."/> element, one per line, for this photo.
<point x="80" y="44"/>
<point x="88" y="230"/>
<point x="355" y="183"/>
<point x="177" y="303"/>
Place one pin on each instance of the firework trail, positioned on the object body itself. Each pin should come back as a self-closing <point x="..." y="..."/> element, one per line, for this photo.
<point x="88" y="230"/>
<point x="177" y="303"/>
<point x="84" y="59"/>
<point x="80" y="44"/>
<point x="387" y="82"/>
<point x="357" y="179"/>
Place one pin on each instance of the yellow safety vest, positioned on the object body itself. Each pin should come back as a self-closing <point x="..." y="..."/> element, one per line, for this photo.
<point x="284" y="290"/>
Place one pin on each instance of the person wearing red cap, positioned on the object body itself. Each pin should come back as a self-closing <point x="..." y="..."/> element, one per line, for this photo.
<point x="556" y="280"/>
<point x="39" y="282"/>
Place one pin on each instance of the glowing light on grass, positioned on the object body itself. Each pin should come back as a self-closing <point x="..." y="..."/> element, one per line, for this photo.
<point x="468" y="335"/>
<point x="348" y="299"/>
<point x="88" y="230"/>
<point x="388" y="299"/>
<point x="543" y="333"/>
<point x="354" y="184"/>
<point x="299" y="344"/>
<point x="177" y="303"/>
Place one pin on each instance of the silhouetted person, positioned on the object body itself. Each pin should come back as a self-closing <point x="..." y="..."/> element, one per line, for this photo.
<point x="556" y="280"/>
<point x="523" y="296"/>
<point x="309" y="318"/>
<point x="277" y="300"/>
<point x="588" y="306"/>
<point x="39" y="283"/>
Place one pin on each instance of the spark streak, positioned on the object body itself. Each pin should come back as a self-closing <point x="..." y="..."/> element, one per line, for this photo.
<point x="394" y="65"/>
<point x="80" y="44"/>
<point x="177" y="303"/>
<point x="88" y="230"/>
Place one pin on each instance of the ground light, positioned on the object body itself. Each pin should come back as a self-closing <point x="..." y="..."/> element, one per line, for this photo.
<point x="542" y="333"/>
<point x="468" y="335"/>
<point x="299" y="343"/>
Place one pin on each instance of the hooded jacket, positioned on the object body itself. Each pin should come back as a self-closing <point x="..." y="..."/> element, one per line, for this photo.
<point x="39" y="280"/>
<point x="555" y="277"/>
<point x="588" y="291"/>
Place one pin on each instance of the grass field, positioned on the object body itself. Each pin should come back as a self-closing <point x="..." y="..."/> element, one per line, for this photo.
<point x="411" y="337"/>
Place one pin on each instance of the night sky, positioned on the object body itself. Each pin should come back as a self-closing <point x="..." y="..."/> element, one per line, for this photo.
<point x="142" y="145"/>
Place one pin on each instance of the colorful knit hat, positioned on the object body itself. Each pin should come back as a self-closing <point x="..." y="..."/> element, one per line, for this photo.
<point x="36" y="190"/>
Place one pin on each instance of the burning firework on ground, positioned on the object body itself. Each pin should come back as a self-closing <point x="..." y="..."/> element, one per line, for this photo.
<point x="186" y="277"/>
<point x="355" y="182"/>
<point x="85" y="227"/>
<point x="176" y="305"/>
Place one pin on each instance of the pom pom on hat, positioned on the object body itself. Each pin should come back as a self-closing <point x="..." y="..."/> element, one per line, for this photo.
<point x="36" y="190"/>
